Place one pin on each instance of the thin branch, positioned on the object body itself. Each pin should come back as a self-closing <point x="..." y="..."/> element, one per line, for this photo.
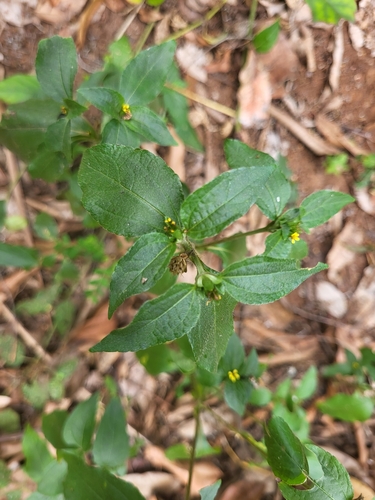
<point x="192" y="454"/>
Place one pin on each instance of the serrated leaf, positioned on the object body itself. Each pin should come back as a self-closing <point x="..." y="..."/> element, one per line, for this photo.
<point x="211" y="208"/>
<point x="277" y="189"/>
<point x="58" y="137"/>
<point x="107" y="100"/>
<point x="266" y="39"/>
<point x="111" y="445"/>
<point x="148" y="124"/>
<point x="260" y="280"/>
<point x="348" y="407"/>
<point x="37" y="455"/>
<point x="23" y="126"/>
<point x="321" y="206"/>
<point x="116" y="132"/>
<point x="209" y="337"/>
<point x="84" y="481"/>
<point x="209" y="492"/>
<point x="144" y="77"/>
<point x="237" y="394"/>
<point x="177" y="109"/>
<point x="79" y="426"/>
<point x="285" y="452"/>
<point x="19" y="88"/>
<point x="331" y="11"/>
<point x="17" y="256"/>
<point x="160" y="320"/>
<point x="140" y="268"/>
<point x="56" y="67"/>
<point x="129" y="192"/>
<point x="334" y="485"/>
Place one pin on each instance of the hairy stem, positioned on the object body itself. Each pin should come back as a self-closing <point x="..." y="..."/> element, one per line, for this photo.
<point x="265" y="229"/>
<point x="193" y="448"/>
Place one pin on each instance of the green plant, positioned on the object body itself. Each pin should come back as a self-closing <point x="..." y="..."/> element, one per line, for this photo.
<point x="337" y="164"/>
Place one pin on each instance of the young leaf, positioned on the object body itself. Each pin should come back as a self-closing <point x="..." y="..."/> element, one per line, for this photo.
<point x="129" y="192"/>
<point x="237" y="394"/>
<point x="277" y="247"/>
<point x="58" y="137"/>
<point x="52" y="426"/>
<point x="321" y="206"/>
<point x="214" y="206"/>
<point x="82" y="480"/>
<point x="23" y="126"/>
<point x="277" y="190"/>
<point x="19" y="88"/>
<point x="148" y="124"/>
<point x="144" y="77"/>
<point x="209" y="492"/>
<point x="308" y="384"/>
<point x="74" y="109"/>
<point x="107" y="100"/>
<point x="79" y="426"/>
<point x="177" y="109"/>
<point x="160" y="320"/>
<point x="111" y="445"/>
<point x="214" y="328"/>
<point x="140" y="268"/>
<point x="348" y="407"/>
<point x="260" y="280"/>
<point x="266" y="39"/>
<point x="285" y="452"/>
<point x="331" y="11"/>
<point x="116" y="132"/>
<point x="17" y="256"/>
<point x="56" y="67"/>
<point x="234" y="355"/>
<point x="334" y="485"/>
<point x="37" y="455"/>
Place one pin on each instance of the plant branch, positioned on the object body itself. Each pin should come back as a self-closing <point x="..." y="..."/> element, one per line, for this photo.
<point x="253" y="11"/>
<point x="193" y="448"/>
<point x="236" y="236"/>
<point x="210" y="14"/>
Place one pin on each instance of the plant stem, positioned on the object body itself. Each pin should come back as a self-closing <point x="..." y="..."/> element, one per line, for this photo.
<point x="253" y="11"/>
<point x="210" y="14"/>
<point x="202" y="100"/>
<point x="192" y="454"/>
<point x="143" y="38"/>
<point x="236" y="236"/>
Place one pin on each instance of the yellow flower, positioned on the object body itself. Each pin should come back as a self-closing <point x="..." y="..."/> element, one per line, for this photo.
<point x="294" y="237"/>
<point x="234" y="375"/>
<point x="125" y="108"/>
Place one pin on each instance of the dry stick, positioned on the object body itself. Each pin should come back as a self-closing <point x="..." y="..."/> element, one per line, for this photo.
<point x="192" y="453"/>
<point x="24" y="334"/>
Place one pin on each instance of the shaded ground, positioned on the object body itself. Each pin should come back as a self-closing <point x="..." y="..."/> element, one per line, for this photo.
<point x="322" y="79"/>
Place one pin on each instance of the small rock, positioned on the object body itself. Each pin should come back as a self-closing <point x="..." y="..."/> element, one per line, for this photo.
<point x="331" y="299"/>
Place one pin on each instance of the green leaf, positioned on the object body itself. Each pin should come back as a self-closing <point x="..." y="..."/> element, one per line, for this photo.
<point x="142" y="266"/>
<point x="260" y="396"/>
<point x="36" y="453"/>
<point x="150" y="125"/>
<point x="116" y="132"/>
<point x="331" y="11"/>
<point x="74" y="109"/>
<point x="215" y="205"/>
<point x="209" y="492"/>
<point x="48" y="165"/>
<point x="266" y="39"/>
<point x="17" y="256"/>
<point x="19" y="88"/>
<point x="52" y="426"/>
<point x="157" y="359"/>
<point x="58" y="137"/>
<point x="237" y="394"/>
<point x="53" y="477"/>
<point x="40" y="496"/>
<point x="107" y="100"/>
<point x="177" y="109"/>
<point x="119" y="53"/>
<point x="321" y="206"/>
<point x="277" y="247"/>
<point x="260" y="280"/>
<point x="111" y="445"/>
<point x="129" y="192"/>
<point x="334" y="485"/>
<point x="285" y="452"/>
<point x="234" y="355"/>
<point x="84" y="481"/>
<point x="308" y="384"/>
<point x="56" y="67"/>
<point x="210" y="336"/>
<point x="9" y="421"/>
<point x="79" y="426"/>
<point x="348" y="407"/>
<point x="12" y="351"/>
<point x="23" y="126"/>
<point x="229" y="251"/>
<point x="144" y="77"/>
<point x="277" y="189"/>
<point x="160" y="320"/>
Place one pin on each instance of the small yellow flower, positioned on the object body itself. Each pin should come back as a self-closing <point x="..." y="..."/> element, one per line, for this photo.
<point x="64" y="110"/>
<point x="126" y="112"/>
<point x="126" y="108"/>
<point x="234" y="375"/>
<point x="294" y="237"/>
